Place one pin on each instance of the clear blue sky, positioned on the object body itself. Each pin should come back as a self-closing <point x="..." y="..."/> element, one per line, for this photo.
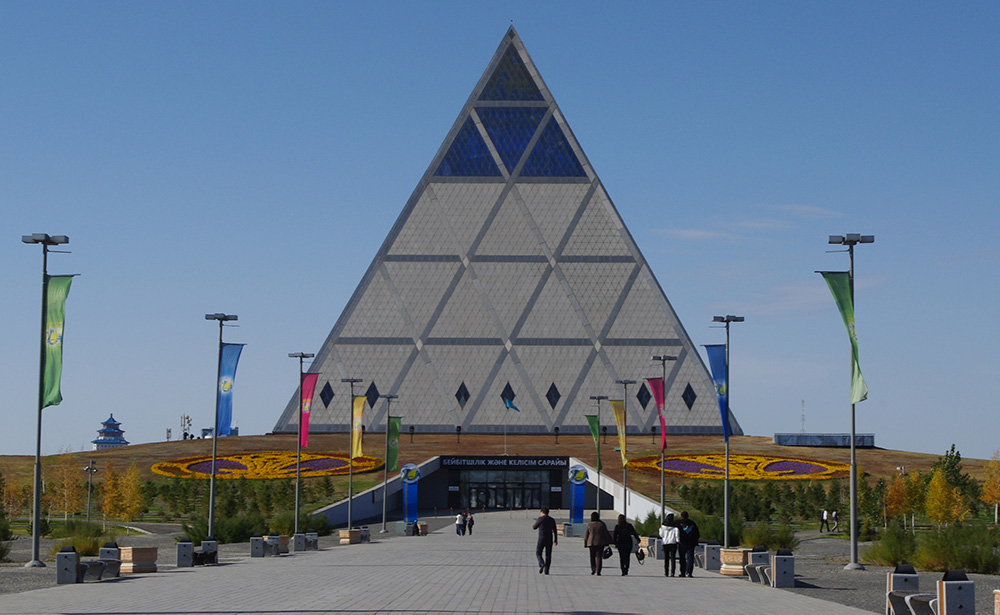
<point x="250" y="157"/>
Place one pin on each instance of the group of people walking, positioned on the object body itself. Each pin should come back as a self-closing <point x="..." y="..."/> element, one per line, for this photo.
<point x="464" y="522"/>
<point x="679" y="537"/>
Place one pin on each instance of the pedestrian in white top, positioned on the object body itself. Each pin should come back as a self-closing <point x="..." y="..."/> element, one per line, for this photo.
<point x="670" y="536"/>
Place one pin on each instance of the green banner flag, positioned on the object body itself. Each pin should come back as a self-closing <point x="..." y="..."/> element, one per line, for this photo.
<point x="840" y="285"/>
<point x="595" y="429"/>
<point x="56" y="291"/>
<point x="392" y="452"/>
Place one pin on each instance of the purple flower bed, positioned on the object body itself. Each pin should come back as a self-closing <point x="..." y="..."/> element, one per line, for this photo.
<point x="693" y="467"/>
<point x="222" y="466"/>
<point x="794" y="468"/>
<point x="315" y="465"/>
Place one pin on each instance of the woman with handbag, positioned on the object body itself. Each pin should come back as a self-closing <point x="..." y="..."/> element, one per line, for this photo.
<point x="624" y="535"/>
<point x="596" y="538"/>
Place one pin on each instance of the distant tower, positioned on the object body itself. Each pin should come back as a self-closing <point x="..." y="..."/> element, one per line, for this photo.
<point x="109" y="436"/>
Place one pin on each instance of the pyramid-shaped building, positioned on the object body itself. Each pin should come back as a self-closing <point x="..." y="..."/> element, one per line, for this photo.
<point x="508" y="275"/>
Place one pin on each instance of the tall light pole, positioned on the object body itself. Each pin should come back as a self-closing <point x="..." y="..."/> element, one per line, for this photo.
<point x="301" y="356"/>
<point x="598" y="399"/>
<point x="850" y="240"/>
<point x="625" y="382"/>
<point x="662" y="359"/>
<point x="385" y="471"/>
<point x="90" y="470"/>
<point x="729" y="318"/>
<point x="45" y="240"/>
<point x="350" y="452"/>
<point x="222" y="318"/>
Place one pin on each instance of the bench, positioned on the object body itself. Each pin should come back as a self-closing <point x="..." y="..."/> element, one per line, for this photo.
<point x="955" y="595"/>
<point x="306" y="542"/>
<point x="756" y="559"/>
<point x="900" y="583"/>
<point x="110" y="554"/>
<point x="207" y="554"/>
<point x="782" y="570"/>
<point x="69" y="568"/>
<point x="275" y="545"/>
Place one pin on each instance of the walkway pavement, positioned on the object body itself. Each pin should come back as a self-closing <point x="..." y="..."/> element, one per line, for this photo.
<point x="493" y="571"/>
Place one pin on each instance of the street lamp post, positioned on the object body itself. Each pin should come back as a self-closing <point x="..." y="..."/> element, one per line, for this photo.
<point x="301" y="356"/>
<point x="729" y="318"/>
<point x="222" y="318"/>
<point x="662" y="359"/>
<point x="850" y="240"/>
<point x="598" y="399"/>
<point x="385" y="472"/>
<point x="625" y="382"/>
<point x="45" y="240"/>
<point x="350" y="452"/>
<point x="90" y="470"/>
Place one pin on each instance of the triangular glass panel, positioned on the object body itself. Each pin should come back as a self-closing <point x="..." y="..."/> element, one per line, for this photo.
<point x="553" y="395"/>
<point x="510" y="129"/>
<point x="372" y="395"/>
<point x="468" y="155"/>
<point x="462" y="394"/>
<point x="552" y="156"/>
<point x="689" y="396"/>
<point x="511" y="80"/>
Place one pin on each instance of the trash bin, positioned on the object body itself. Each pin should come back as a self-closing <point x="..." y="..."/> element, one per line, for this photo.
<point x="185" y="554"/>
<point x="257" y="546"/>
<point x="411" y="528"/>
<point x="67" y="565"/>
<point x="567" y="529"/>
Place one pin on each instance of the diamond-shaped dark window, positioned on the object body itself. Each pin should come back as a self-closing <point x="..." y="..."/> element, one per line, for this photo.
<point x="553" y="395"/>
<point x="372" y="394"/>
<point x="511" y="80"/>
<point x="510" y="129"/>
<point x="508" y="393"/>
<point x="326" y="395"/>
<point x="462" y="395"/>
<point x="689" y="396"/>
<point x="468" y="155"/>
<point x="643" y="396"/>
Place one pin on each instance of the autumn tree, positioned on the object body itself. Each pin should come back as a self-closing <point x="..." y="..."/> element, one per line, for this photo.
<point x="66" y="490"/>
<point x="132" y="495"/>
<point x="110" y="493"/>
<point x="16" y="495"/>
<point x="991" y="487"/>
<point x="916" y="491"/>
<point x="895" y="499"/>
<point x="945" y="502"/>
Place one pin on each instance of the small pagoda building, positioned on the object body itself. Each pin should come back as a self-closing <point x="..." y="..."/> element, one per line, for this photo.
<point x="109" y="435"/>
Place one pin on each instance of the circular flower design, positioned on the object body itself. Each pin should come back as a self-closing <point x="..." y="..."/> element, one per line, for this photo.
<point x="741" y="467"/>
<point x="272" y="464"/>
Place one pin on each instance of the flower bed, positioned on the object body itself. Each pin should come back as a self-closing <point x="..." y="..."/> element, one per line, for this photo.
<point x="741" y="467"/>
<point x="273" y="464"/>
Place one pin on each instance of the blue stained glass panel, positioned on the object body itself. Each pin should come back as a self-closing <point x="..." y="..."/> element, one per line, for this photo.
<point x="552" y="156"/>
<point x="510" y="129"/>
<point x="510" y="80"/>
<point x="468" y="155"/>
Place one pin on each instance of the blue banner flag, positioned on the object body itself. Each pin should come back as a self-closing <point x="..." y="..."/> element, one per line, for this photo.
<point x="510" y="405"/>
<point x="229" y="356"/>
<point x="717" y="361"/>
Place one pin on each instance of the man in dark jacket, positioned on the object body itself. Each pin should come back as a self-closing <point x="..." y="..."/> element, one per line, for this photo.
<point x="546" y="527"/>
<point x="689" y="536"/>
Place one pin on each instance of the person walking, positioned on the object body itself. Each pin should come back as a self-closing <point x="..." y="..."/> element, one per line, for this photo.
<point x="824" y="519"/>
<point x="547" y="538"/>
<point x="687" y="531"/>
<point x="670" y="536"/>
<point x="595" y="538"/>
<point x="836" y="522"/>
<point x="469" y="522"/>
<point x="460" y="524"/>
<point x="626" y="538"/>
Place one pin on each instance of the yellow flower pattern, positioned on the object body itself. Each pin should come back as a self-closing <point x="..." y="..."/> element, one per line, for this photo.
<point x="741" y="467"/>
<point x="271" y="464"/>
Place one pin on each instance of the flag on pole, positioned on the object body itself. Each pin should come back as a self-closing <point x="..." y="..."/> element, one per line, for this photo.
<point x="510" y="405"/>
<point x="595" y="430"/>
<point x="229" y="357"/>
<point x="618" y="407"/>
<point x="308" y="389"/>
<point x="359" y="408"/>
<point x="392" y="453"/>
<point x="717" y="361"/>
<point x="56" y="291"/>
<point x="656" y="385"/>
<point x="840" y="285"/>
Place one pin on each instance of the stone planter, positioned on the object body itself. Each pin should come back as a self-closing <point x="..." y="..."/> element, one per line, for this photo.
<point x="733" y="561"/>
<point x="138" y="559"/>
<point x="350" y="537"/>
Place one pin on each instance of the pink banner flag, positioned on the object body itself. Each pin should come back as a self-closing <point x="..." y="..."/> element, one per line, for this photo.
<point x="656" y="386"/>
<point x="308" y="388"/>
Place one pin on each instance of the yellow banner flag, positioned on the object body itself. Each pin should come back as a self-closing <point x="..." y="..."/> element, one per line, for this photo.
<point x="359" y="409"/>
<point x="618" y="407"/>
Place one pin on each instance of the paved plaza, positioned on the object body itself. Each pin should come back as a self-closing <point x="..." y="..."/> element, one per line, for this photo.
<point x="492" y="571"/>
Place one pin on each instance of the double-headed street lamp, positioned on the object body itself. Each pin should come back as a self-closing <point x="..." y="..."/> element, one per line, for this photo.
<point x="301" y="356"/>
<point x="850" y="240"/>
<point x="662" y="359"/>
<point x="625" y="382"/>
<point x="45" y="240"/>
<point x="729" y="318"/>
<point x="90" y="470"/>
<point x="223" y="319"/>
